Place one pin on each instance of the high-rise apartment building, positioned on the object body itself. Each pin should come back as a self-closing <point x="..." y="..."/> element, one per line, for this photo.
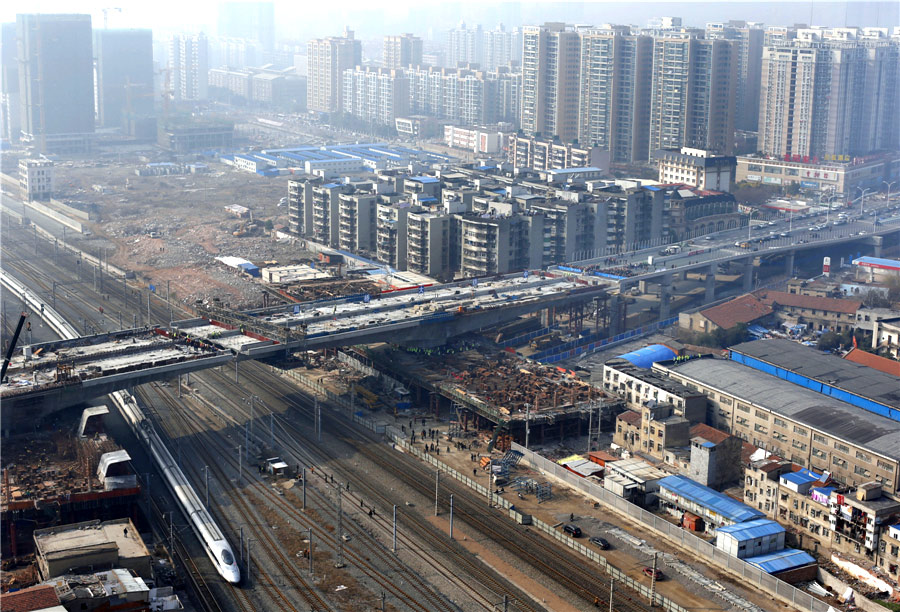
<point x="465" y="45"/>
<point x="614" y="102"/>
<point x="124" y="76"/>
<point x="501" y="47"/>
<point x="327" y="59"/>
<point x="401" y="51"/>
<point x="376" y="95"/>
<point x="189" y="66"/>
<point x="692" y="93"/>
<point x="470" y="97"/>
<point x="550" y="81"/>
<point x="56" y="84"/>
<point x="248" y="20"/>
<point x="10" y="110"/>
<point x="830" y="93"/>
<point x="748" y="42"/>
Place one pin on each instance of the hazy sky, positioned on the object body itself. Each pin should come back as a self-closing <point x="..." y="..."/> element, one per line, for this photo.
<point x="372" y="18"/>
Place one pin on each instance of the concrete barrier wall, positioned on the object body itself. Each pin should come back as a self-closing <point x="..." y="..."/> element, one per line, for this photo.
<point x="55" y="215"/>
<point x="840" y="587"/>
<point x="70" y="211"/>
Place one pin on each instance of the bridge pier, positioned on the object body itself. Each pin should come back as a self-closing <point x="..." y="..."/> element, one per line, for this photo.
<point x="665" y="285"/>
<point x="710" y="283"/>
<point x="876" y="242"/>
<point x="748" y="274"/>
<point x="789" y="264"/>
<point x="615" y="306"/>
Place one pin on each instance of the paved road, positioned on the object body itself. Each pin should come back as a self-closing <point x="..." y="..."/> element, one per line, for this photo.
<point x="779" y="232"/>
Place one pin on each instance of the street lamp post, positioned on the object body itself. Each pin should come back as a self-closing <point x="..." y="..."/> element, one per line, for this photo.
<point x="889" y="185"/>
<point x="862" y="200"/>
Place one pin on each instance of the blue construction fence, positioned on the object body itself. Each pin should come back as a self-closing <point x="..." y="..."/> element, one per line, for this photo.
<point x="591" y="273"/>
<point x="526" y="338"/>
<point x="590" y="347"/>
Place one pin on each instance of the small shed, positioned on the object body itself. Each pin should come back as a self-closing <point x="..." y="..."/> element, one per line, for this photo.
<point x="275" y="466"/>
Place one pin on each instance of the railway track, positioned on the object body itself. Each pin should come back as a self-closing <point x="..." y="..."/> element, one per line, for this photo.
<point x="263" y="535"/>
<point x="558" y="563"/>
<point x="434" y="541"/>
<point x="418" y="596"/>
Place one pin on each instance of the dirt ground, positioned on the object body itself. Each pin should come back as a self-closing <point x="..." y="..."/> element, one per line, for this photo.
<point x="186" y="216"/>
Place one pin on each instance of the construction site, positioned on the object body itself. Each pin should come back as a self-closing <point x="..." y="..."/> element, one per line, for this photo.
<point x="478" y="389"/>
<point x="69" y="471"/>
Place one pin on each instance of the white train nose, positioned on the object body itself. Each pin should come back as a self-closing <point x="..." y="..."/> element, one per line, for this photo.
<point x="231" y="573"/>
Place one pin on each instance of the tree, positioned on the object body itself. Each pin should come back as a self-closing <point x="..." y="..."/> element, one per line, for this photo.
<point x="828" y="341"/>
<point x="876" y="299"/>
<point x="269" y="225"/>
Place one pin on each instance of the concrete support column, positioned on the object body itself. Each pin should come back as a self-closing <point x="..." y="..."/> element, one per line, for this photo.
<point x="642" y="286"/>
<point x="711" y="283"/>
<point x="615" y="304"/>
<point x="748" y="274"/>
<point x="665" y="286"/>
<point x="876" y="242"/>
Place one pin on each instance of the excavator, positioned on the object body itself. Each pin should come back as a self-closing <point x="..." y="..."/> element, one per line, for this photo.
<point x="12" y="345"/>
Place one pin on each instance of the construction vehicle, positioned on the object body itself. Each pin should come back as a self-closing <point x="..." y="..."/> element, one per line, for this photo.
<point x="12" y="345"/>
<point x="368" y="398"/>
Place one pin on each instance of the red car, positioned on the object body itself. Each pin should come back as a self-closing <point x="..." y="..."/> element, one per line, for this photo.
<point x="648" y="572"/>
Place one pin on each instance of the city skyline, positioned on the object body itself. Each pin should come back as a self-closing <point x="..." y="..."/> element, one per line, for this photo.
<point x="430" y="20"/>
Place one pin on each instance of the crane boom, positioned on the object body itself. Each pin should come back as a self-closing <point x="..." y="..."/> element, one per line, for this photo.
<point x="12" y="345"/>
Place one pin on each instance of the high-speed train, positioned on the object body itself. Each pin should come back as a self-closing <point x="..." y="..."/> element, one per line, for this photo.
<point x="217" y="547"/>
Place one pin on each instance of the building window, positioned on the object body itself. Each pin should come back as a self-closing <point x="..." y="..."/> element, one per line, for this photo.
<point x="839" y="462"/>
<point x="861" y="455"/>
<point x="800" y="430"/>
<point x="743" y="407"/>
<point x="762" y="415"/>
<point x="884" y="465"/>
<point x="820" y="439"/>
<point x="761" y="428"/>
<point x="740" y="420"/>
<point x="841" y="447"/>
<point x="778" y="422"/>
<point x="819" y="453"/>
<point x="858" y="469"/>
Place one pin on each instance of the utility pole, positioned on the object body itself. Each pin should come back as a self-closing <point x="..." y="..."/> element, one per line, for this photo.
<point x="240" y="464"/>
<point x="310" y="551"/>
<point x="653" y="583"/>
<point x="249" y="565"/>
<point x="451" y="516"/>
<point x="148" y="307"/>
<point x="590" y="424"/>
<point x="340" y="529"/>
<point x="437" y="478"/>
<point x="490" y="474"/>
<point x="394" y="544"/>
<point x="612" y="582"/>
<point x="527" y="423"/>
<point x="167" y="298"/>
<point x="272" y="429"/>
<point x="303" y="479"/>
<point x="318" y="420"/>
<point x="206" y="473"/>
<point x="241" y="544"/>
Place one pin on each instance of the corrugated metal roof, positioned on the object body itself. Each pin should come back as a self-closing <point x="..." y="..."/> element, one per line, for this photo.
<point x="801" y="477"/>
<point x="781" y="561"/>
<point x="719" y="503"/>
<point x="750" y="530"/>
<point x="647" y="356"/>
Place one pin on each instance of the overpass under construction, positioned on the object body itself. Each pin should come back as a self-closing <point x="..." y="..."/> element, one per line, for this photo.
<point x="47" y="377"/>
